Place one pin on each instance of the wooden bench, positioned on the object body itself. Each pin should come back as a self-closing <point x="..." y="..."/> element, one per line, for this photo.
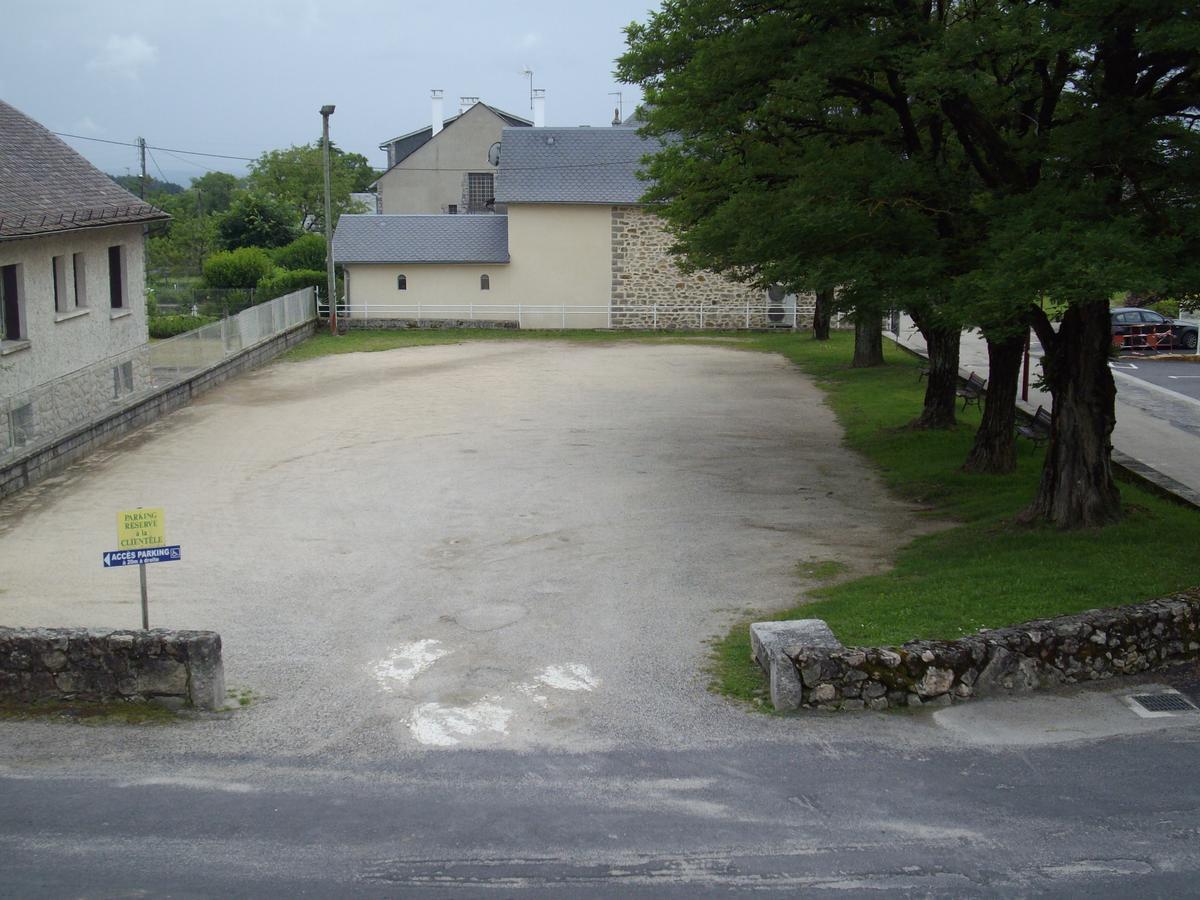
<point x="1036" y="429"/>
<point x="973" y="390"/>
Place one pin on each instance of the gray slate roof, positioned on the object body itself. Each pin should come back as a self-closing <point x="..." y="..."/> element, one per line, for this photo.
<point x="572" y="165"/>
<point x="408" y="144"/>
<point x="46" y="187"/>
<point x="421" y="239"/>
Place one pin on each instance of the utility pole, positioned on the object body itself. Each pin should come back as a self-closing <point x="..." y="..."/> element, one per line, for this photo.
<point x="331" y="299"/>
<point x="142" y="153"/>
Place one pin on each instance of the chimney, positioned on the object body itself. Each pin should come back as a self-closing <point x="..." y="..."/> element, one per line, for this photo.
<point x="616" y="117"/>
<point x="437" y="110"/>
<point x="539" y="107"/>
<point x="465" y="103"/>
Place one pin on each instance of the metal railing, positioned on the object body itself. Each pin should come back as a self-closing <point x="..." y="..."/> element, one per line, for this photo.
<point x="43" y="414"/>
<point x="616" y="315"/>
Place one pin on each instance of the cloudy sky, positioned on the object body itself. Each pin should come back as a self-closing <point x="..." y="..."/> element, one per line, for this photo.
<point x="238" y="77"/>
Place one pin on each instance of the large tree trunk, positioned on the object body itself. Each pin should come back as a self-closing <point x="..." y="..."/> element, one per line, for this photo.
<point x="1077" y="489"/>
<point x="995" y="449"/>
<point x="942" y="344"/>
<point x="822" y="313"/>
<point x="868" y="340"/>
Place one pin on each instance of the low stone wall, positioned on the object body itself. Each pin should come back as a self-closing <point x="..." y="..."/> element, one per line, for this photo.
<point x="1069" y="649"/>
<point x="43" y="462"/>
<point x="55" y="664"/>
<point x="351" y="324"/>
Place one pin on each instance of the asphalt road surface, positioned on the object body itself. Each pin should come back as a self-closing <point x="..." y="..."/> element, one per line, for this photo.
<point x="1179" y="377"/>
<point x="467" y="592"/>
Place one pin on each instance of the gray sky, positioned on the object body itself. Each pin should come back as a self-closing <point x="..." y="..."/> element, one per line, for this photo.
<point x="242" y="77"/>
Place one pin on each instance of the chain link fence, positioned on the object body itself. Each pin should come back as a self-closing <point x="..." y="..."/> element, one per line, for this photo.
<point x="42" y="415"/>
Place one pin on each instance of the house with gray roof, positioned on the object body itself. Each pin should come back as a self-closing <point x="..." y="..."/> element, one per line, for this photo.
<point x="443" y="167"/>
<point x="576" y="247"/>
<point x="72" y="281"/>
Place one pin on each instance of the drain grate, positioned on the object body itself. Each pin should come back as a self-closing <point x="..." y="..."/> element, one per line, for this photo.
<point x="1164" y="703"/>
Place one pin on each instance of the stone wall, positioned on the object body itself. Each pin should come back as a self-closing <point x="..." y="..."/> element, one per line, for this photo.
<point x="649" y="290"/>
<point x="1069" y="649"/>
<point x="39" y="665"/>
<point x="31" y="467"/>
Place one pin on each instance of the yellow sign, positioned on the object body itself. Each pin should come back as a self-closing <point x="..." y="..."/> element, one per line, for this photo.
<point x="141" y="528"/>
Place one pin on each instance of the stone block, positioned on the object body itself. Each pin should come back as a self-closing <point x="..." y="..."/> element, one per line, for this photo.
<point x="768" y="643"/>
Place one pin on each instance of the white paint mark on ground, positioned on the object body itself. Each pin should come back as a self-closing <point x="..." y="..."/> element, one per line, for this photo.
<point x="200" y="784"/>
<point x="445" y="726"/>
<point x="534" y="693"/>
<point x="569" y="677"/>
<point x="406" y="662"/>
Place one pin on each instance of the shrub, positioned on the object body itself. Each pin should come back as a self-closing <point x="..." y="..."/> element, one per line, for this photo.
<point x="284" y="281"/>
<point x="169" y="326"/>
<point x="1168" y="308"/>
<point x="241" y="268"/>
<point x="305" y="252"/>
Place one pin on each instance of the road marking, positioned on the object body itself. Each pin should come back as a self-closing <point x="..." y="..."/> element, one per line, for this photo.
<point x="406" y="662"/>
<point x="1113" y="365"/>
<point x="1183" y="376"/>
<point x="446" y="726"/>
<point x="569" y="677"/>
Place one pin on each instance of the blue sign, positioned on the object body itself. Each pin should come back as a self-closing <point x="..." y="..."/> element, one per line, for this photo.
<point x="142" y="555"/>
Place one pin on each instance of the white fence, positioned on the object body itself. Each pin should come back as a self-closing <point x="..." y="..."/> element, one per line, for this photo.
<point x="618" y="315"/>
<point x="44" y="414"/>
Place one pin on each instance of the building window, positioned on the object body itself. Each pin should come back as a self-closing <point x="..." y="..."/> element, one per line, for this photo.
<point x="58" y="271"/>
<point x="20" y="424"/>
<point x="481" y="195"/>
<point x="80" y="272"/>
<point x="485" y="283"/>
<point x="402" y="282"/>
<point x="116" y="276"/>
<point x="122" y="379"/>
<point x="12" y="327"/>
<point x="452" y="209"/>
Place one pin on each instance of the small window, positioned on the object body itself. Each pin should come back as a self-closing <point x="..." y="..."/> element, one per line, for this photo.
<point x="58" y="271"/>
<point x="122" y="379"/>
<point x="20" y="423"/>
<point x="14" y="304"/>
<point x="402" y="282"/>
<point x="480" y="192"/>
<point x="452" y="209"/>
<point x="116" y="276"/>
<point x="80" y="279"/>
<point x="485" y="283"/>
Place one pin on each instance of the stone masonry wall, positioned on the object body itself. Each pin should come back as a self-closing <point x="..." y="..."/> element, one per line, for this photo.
<point x="1069" y="649"/>
<point x="649" y="290"/>
<point x="54" y="664"/>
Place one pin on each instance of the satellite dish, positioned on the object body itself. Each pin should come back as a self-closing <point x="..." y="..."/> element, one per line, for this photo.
<point x="494" y="154"/>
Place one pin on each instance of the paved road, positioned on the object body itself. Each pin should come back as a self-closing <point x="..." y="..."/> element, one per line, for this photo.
<point x="468" y="590"/>
<point x="1178" y="377"/>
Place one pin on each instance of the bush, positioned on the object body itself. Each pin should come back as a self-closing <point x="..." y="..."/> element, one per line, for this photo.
<point x="241" y="268"/>
<point x="1168" y="308"/>
<point x="305" y="252"/>
<point x="169" y="326"/>
<point x="284" y="281"/>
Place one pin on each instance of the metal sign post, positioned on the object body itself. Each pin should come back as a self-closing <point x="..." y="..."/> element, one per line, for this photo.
<point x="141" y="536"/>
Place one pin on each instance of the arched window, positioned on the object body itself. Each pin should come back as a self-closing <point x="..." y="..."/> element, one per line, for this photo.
<point x="402" y="282"/>
<point x="485" y="283"/>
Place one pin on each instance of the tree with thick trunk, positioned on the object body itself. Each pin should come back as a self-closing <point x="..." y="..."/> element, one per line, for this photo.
<point x="822" y="314"/>
<point x="868" y="339"/>
<point x="942" y="343"/>
<point x="994" y="451"/>
<point x="1077" y="487"/>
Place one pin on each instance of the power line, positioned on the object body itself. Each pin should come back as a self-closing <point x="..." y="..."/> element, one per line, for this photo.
<point x="84" y="137"/>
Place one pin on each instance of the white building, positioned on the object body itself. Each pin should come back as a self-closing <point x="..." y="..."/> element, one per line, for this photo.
<point x="72" y="279"/>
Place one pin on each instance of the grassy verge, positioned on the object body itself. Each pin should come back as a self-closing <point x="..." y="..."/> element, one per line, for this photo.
<point x="986" y="571"/>
<point x="91" y="713"/>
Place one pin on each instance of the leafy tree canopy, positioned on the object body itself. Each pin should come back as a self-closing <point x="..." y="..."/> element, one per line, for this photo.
<point x="305" y="252"/>
<point x="295" y="178"/>
<point x="256" y="220"/>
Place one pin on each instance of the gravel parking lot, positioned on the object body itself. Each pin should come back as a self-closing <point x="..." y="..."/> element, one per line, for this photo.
<point x="508" y="545"/>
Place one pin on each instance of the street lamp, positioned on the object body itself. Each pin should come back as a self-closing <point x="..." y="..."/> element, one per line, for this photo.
<point x="331" y="299"/>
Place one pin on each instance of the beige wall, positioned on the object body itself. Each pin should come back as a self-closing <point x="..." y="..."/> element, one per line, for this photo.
<point x="562" y="255"/>
<point x="432" y="177"/>
<point x="561" y="258"/>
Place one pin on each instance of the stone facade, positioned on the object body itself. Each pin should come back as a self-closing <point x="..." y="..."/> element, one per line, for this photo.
<point x="38" y="665"/>
<point x="650" y="291"/>
<point x="1092" y="645"/>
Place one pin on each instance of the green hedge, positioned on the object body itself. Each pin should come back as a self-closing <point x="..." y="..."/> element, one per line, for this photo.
<point x="284" y="281"/>
<point x="169" y="326"/>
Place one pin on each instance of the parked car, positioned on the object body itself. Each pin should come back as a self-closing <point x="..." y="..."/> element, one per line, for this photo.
<point x="1144" y="328"/>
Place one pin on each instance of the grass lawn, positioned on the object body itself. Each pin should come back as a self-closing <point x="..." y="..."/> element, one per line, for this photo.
<point x="984" y="572"/>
